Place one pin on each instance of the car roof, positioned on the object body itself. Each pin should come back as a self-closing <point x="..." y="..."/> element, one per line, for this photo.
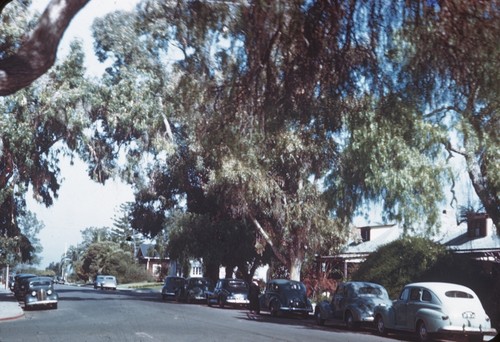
<point x="440" y="288"/>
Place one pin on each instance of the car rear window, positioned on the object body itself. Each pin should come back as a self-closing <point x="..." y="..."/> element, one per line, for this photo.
<point x="458" y="294"/>
<point x="41" y="283"/>
<point x="368" y="290"/>
<point x="237" y="284"/>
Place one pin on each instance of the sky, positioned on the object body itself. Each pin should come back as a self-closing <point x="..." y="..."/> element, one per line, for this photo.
<point x="82" y="203"/>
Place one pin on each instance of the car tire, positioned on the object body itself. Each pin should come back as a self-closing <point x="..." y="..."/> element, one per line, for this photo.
<point x="164" y="297"/>
<point x="349" y="321"/>
<point x="54" y="306"/>
<point x="422" y="333"/>
<point x="380" y="325"/>
<point x="274" y="307"/>
<point x="319" y="321"/>
<point x="222" y="302"/>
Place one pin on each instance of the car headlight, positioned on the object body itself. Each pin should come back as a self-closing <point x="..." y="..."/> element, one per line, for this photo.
<point x="49" y="292"/>
<point x="33" y="293"/>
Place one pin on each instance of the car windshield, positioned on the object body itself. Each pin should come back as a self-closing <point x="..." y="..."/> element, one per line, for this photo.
<point x="41" y="283"/>
<point x="295" y="287"/>
<point x="177" y="281"/>
<point x="110" y="278"/>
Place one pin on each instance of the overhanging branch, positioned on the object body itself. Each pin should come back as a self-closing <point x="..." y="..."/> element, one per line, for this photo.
<point x="38" y="52"/>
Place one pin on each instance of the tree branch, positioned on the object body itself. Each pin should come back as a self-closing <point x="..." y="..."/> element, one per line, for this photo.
<point x="266" y="237"/>
<point x="38" y="52"/>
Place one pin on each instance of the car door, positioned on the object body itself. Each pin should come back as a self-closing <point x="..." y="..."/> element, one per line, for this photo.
<point x="338" y="300"/>
<point x="401" y="307"/>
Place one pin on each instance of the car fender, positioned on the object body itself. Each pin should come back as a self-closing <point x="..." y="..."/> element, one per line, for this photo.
<point x="387" y="314"/>
<point x="324" y="309"/>
<point x="433" y="319"/>
<point x="354" y="310"/>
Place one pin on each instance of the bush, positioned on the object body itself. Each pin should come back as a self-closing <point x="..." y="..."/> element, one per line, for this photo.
<point x="399" y="263"/>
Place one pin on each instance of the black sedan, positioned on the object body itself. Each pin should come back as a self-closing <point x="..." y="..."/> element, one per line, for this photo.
<point x="195" y="289"/>
<point x="40" y="292"/>
<point x="285" y="296"/>
<point x="229" y="292"/>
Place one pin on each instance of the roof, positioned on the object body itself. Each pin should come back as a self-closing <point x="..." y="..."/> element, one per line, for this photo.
<point x="440" y="288"/>
<point x="148" y="250"/>
<point x="451" y="234"/>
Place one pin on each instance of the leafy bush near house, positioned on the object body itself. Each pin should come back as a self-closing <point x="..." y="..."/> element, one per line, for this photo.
<point x="399" y="263"/>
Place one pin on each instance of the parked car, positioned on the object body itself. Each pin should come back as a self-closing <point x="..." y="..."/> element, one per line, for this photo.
<point x="171" y="286"/>
<point x="229" y="292"/>
<point x="282" y="295"/>
<point x="40" y="292"/>
<point x="19" y="287"/>
<point x="352" y="303"/>
<point x="194" y="289"/>
<point x="435" y="309"/>
<point x="104" y="282"/>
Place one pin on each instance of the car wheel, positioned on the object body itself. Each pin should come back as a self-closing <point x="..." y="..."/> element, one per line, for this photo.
<point x="422" y="333"/>
<point x="380" y="325"/>
<point x="54" y="306"/>
<point x="164" y="297"/>
<point x="476" y="338"/>
<point x="275" y="308"/>
<point x="319" y="320"/>
<point x="209" y="303"/>
<point x="222" y="302"/>
<point x="349" y="321"/>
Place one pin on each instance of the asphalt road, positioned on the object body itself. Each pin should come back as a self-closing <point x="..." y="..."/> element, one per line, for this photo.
<point x="85" y="314"/>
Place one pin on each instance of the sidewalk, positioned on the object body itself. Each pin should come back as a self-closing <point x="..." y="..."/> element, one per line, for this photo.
<point x="9" y="306"/>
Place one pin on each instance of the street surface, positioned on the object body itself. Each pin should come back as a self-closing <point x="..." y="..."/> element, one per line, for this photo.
<point x="85" y="314"/>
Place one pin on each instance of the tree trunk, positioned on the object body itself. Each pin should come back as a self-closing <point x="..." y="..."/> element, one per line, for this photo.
<point x="295" y="268"/>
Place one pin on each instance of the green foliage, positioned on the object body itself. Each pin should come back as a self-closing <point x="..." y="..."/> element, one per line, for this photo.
<point x="400" y="262"/>
<point x="108" y="258"/>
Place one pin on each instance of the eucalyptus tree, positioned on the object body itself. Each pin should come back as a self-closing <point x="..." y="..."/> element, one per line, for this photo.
<point x="36" y="127"/>
<point x="22" y="61"/>
<point x="453" y="71"/>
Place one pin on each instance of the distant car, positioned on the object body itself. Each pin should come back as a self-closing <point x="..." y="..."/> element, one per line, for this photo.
<point x="194" y="289"/>
<point x="352" y="303"/>
<point x="435" y="310"/>
<point x="40" y="292"/>
<point x="105" y="281"/>
<point x="229" y="292"/>
<point x="285" y="296"/>
<point x="171" y="286"/>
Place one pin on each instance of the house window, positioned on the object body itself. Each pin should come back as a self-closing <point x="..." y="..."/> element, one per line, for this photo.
<point x="476" y="225"/>
<point x="196" y="271"/>
<point x="365" y="234"/>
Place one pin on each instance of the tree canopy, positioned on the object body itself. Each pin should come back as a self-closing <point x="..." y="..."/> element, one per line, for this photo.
<point x="241" y="110"/>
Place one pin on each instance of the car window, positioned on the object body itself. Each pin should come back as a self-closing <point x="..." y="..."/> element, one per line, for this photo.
<point x="370" y="291"/>
<point x="237" y="284"/>
<point x="426" y="296"/>
<point x="458" y="294"/>
<point x="415" y="294"/>
<point x="404" y="294"/>
<point x="41" y="283"/>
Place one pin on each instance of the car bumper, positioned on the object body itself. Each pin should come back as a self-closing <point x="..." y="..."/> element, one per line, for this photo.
<point x="40" y="302"/>
<point x="292" y="309"/>
<point x="237" y="301"/>
<point x="455" y="330"/>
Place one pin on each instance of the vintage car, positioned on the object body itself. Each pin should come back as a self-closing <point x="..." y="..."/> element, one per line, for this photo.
<point x="40" y="292"/>
<point x="171" y="286"/>
<point x="435" y="310"/>
<point x="229" y="292"/>
<point x="285" y="296"/>
<point x="19" y="287"/>
<point x="104" y="282"/>
<point x="352" y="303"/>
<point x="194" y="289"/>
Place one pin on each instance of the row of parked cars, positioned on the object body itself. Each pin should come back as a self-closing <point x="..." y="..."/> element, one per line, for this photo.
<point x="426" y="309"/>
<point x="279" y="296"/>
<point x="34" y="291"/>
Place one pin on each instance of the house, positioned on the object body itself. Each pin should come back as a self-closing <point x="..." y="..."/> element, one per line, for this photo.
<point x="476" y="238"/>
<point x="148" y="256"/>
